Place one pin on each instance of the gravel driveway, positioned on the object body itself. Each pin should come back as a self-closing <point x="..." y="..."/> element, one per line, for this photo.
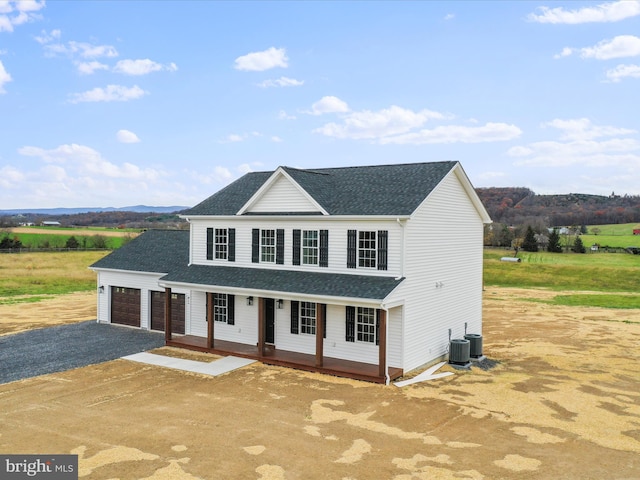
<point x="55" y="349"/>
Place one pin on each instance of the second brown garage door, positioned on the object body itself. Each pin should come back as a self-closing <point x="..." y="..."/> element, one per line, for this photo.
<point x="177" y="312"/>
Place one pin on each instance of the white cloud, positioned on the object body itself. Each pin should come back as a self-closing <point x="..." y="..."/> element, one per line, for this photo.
<point x="281" y="82"/>
<point x="605" y="12"/>
<point x="276" y="139"/>
<point x="13" y="13"/>
<point x="4" y="78"/>
<point x="329" y="104"/>
<point x="87" y="161"/>
<point x="248" y="167"/>
<point x="81" y="49"/>
<point x="618" y="47"/>
<point x="142" y="67"/>
<point x="126" y="136"/>
<point x="449" y="16"/>
<point x="622" y="71"/>
<point x="581" y="144"/>
<point x="490" y="132"/>
<point x="583" y="129"/>
<point x="88" y="68"/>
<point x="112" y="93"/>
<point x="260" y="61"/>
<point x="45" y="37"/>
<point x="282" y="115"/>
<point x="376" y="125"/>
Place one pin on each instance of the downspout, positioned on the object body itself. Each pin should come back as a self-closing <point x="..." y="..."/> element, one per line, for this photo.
<point x="402" y="251"/>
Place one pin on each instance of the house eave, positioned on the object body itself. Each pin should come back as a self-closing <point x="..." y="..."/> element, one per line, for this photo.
<point x="120" y="270"/>
<point x="296" y="216"/>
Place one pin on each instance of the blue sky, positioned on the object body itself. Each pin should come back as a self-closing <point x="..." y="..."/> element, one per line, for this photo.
<point x="164" y="103"/>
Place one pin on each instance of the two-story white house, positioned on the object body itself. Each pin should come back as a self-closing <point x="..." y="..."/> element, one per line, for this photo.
<point x="364" y="272"/>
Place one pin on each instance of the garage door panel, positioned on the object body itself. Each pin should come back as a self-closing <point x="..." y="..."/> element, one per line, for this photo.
<point x="178" y="302"/>
<point x="125" y="306"/>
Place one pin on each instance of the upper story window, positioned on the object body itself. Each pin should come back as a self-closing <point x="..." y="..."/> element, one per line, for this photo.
<point x="221" y="244"/>
<point x="267" y="246"/>
<point x="309" y="247"/>
<point x="367" y="249"/>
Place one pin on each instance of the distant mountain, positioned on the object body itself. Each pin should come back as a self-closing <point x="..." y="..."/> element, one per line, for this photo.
<point x="74" y="211"/>
<point x="521" y="206"/>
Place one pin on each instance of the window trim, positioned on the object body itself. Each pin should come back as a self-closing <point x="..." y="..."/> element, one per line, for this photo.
<point x="268" y="250"/>
<point x="221" y="248"/>
<point x="308" y="251"/>
<point x="366" y="329"/>
<point x="308" y="323"/>
<point x="368" y="256"/>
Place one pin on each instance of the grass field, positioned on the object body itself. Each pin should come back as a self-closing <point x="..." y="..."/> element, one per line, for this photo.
<point x="87" y="237"/>
<point x="28" y="276"/>
<point x="614" y="236"/>
<point x="607" y="273"/>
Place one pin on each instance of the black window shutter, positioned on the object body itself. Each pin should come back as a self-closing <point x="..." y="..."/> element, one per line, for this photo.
<point x="383" y="240"/>
<point x="377" y="326"/>
<point x="324" y="248"/>
<point x="209" y="243"/>
<point x="280" y="246"/>
<point x="231" y="309"/>
<point x="350" y="324"/>
<point x="255" y="245"/>
<point x="295" y="309"/>
<point x="296" y="247"/>
<point x="351" y="248"/>
<point x="232" y="245"/>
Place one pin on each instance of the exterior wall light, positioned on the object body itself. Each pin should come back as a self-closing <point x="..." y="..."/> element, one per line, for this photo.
<point x="249" y="300"/>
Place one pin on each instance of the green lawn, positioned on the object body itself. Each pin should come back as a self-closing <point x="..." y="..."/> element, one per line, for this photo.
<point x="44" y="240"/>
<point x="602" y="272"/>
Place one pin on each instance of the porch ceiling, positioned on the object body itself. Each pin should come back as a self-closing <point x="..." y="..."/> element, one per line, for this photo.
<point x="285" y="281"/>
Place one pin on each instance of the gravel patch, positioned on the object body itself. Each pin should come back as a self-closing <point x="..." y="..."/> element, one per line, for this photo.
<point x="55" y="349"/>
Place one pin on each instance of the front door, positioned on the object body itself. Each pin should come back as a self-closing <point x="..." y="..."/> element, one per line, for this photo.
<point x="269" y="320"/>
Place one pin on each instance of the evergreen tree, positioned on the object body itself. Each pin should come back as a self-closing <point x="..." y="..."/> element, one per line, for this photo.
<point x="72" y="242"/>
<point x="578" y="246"/>
<point x="554" y="242"/>
<point x="530" y="244"/>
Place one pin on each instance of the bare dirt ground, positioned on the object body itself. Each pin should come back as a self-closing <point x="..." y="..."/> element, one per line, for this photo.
<point x="562" y="403"/>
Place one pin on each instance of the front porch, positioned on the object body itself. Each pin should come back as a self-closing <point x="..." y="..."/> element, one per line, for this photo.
<point x="272" y="356"/>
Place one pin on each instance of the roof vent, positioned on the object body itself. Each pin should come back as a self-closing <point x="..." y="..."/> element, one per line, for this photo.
<point x="475" y="347"/>
<point x="459" y="351"/>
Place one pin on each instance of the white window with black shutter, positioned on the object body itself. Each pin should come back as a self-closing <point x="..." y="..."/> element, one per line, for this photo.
<point x="267" y="246"/>
<point x="367" y="249"/>
<point x="311" y="247"/>
<point x="221" y="244"/>
<point x="224" y="308"/>
<point x="362" y="324"/>
<point x="304" y="317"/>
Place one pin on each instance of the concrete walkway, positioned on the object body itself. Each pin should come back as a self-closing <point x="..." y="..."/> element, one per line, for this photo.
<point x="214" y="368"/>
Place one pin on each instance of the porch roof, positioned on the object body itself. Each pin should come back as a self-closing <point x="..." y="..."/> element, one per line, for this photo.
<point x="367" y="287"/>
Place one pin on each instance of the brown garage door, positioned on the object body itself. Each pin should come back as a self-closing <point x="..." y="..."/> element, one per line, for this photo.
<point x="177" y="312"/>
<point x="125" y="306"/>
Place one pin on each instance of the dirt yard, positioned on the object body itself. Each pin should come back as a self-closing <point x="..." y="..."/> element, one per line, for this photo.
<point x="562" y="403"/>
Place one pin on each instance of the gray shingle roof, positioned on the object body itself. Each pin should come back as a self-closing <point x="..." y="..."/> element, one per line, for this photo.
<point x="368" y="190"/>
<point x="286" y="281"/>
<point x="158" y="251"/>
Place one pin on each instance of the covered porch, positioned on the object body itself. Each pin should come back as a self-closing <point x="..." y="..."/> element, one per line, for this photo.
<point x="272" y="356"/>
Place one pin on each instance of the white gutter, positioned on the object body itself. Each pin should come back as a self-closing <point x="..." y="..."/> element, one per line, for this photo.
<point x="386" y="347"/>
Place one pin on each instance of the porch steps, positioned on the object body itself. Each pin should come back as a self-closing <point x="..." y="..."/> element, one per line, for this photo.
<point x="214" y="368"/>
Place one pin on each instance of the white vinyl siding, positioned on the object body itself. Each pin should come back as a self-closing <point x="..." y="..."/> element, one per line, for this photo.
<point x="244" y="329"/>
<point x="282" y="196"/>
<point x="337" y="242"/>
<point x="443" y="290"/>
